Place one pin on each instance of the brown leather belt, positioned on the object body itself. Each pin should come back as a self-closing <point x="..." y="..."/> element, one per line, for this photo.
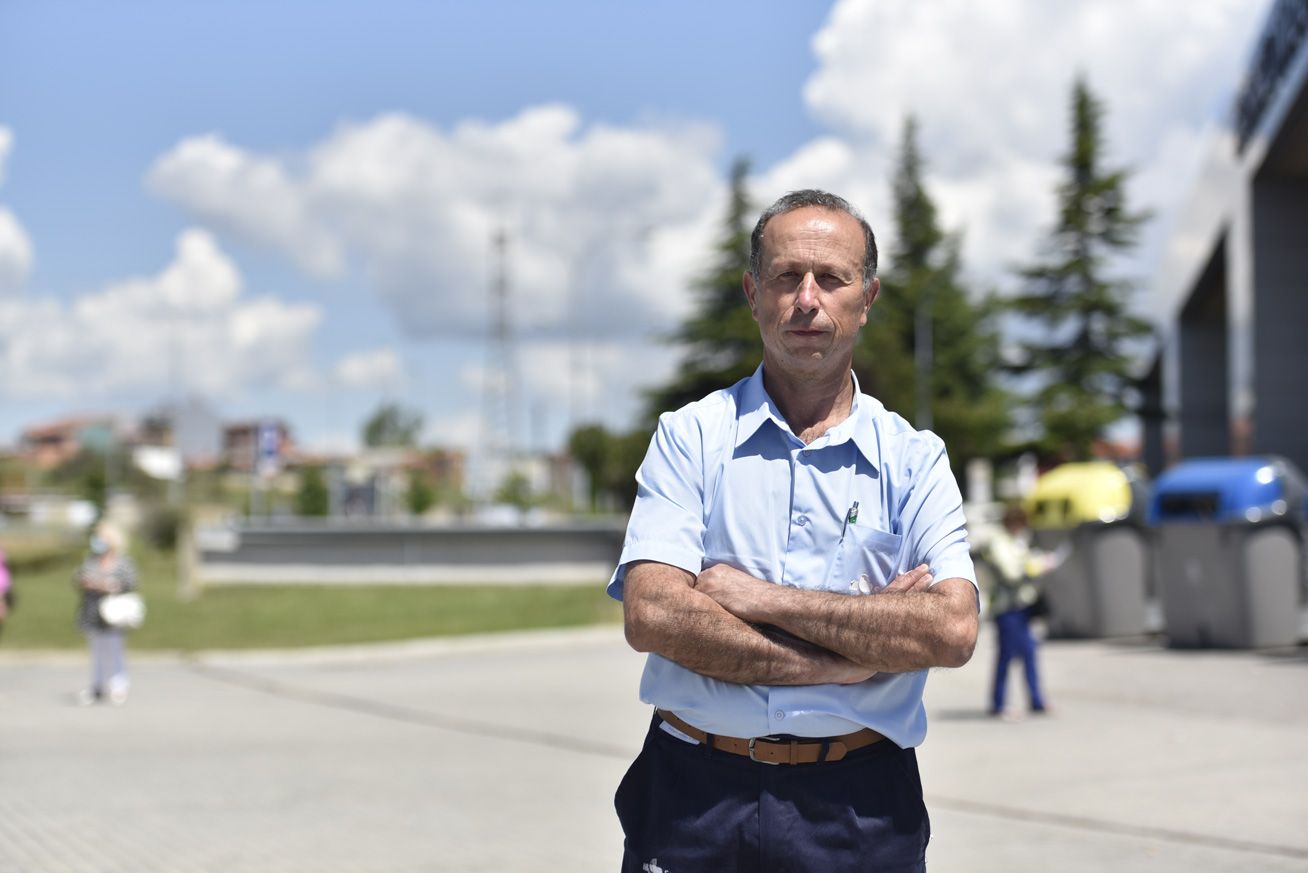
<point x="771" y="750"/>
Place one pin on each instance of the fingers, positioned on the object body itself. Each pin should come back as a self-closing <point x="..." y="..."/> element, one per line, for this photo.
<point x="913" y="580"/>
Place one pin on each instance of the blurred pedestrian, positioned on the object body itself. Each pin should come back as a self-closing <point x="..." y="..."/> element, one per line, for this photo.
<point x="1013" y="596"/>
<point x="6" y="589"/>
<point x="106" y="570"/>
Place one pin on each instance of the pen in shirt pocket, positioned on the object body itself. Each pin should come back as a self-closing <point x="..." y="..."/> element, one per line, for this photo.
<point x="851" y="517"/>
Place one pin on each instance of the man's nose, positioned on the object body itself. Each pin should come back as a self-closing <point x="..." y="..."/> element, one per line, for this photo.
<point x="807" y="298"/>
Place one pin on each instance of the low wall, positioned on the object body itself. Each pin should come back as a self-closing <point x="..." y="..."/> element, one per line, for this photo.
<point x="329" y="552"/>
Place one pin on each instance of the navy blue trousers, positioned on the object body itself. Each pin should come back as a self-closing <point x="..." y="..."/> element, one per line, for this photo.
<point x="686" y="809"/>
<point x="1016" y="641"/>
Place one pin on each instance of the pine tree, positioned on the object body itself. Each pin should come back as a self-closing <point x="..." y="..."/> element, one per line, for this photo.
<point x="1078" y="353"/>
<point x="921" y="288"/>
<point x="721" y="339"/>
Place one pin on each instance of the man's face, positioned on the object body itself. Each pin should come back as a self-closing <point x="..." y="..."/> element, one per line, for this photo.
<point x="809" y="300"/>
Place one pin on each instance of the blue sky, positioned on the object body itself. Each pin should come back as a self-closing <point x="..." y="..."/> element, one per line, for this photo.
<point x="286" y="207"/>
<point x="97" y="91"/>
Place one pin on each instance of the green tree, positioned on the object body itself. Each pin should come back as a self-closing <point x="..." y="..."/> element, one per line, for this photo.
<point x="923" y="302"/>
<point x="420" y="496"/>
<point x="1077" y="350"/>
<point x="515" y="490"/>
<point x="721" y="340"/>
<point x="312" y="498"/>
<point x="591" y="447"/>
<point x="392" y="425"/>
<point x="610" y="461"/>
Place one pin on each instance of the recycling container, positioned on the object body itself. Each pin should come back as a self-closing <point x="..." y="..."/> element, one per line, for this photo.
<point x="1229" y="541"/>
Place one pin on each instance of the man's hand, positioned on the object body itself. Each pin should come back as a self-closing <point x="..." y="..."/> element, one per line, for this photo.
<point x="735" y="591"/>
<point x="917" y="579"/>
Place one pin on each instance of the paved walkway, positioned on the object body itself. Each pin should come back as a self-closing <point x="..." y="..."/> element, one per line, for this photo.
<point x="502" y="755"/>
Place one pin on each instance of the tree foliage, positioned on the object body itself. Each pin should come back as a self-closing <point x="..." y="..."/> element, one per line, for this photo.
<point x="420" y="495"/>
<point x="922" y="280"/>
<point x="392" y="425"/>
<point x="515" y="490"/>
<point x="312" y="497"/>
<point x="1078" y="348"/>
<point x="610" y="462"/>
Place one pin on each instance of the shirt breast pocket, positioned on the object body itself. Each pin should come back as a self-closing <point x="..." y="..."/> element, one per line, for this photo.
<point x="867" y="560"/>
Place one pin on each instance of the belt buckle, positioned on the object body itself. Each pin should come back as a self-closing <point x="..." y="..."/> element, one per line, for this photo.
<point x="753" y="740"/>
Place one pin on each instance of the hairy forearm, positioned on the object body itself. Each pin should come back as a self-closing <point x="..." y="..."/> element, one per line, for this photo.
<point x="892" y="632"/>
<point x="907" y="626"/>
<point x="665" y="615"/>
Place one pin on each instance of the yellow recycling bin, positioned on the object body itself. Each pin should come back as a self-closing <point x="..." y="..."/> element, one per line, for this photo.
<point x="1092" y="510"/>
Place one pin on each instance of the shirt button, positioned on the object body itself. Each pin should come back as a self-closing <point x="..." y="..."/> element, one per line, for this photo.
<point x="779" y="715"/>
<point x="803" y="520"/>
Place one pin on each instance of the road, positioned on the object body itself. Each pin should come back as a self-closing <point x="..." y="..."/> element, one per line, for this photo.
<point x="502" y="753"/>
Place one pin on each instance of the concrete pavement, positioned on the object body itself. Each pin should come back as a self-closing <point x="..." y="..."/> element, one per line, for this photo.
<point x="502" y="754"/>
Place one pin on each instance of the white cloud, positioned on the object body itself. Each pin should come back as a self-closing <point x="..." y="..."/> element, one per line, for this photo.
<point x="6" y="145"/>
<point x="250" y="196"/>
<point x="189" y="326"/>
<point x="373" y="370"/>
<point x="461" y="430"/>
<point x="15" y="247"/>
<point x="596" y="215"/>
<point x="15" y="253"/>
<point x="990" y="85"/>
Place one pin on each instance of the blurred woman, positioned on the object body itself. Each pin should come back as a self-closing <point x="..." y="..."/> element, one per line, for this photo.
<point x="105" y="570"/>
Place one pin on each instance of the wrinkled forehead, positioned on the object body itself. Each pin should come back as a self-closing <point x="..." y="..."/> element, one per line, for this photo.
<point x="813" y="233"/>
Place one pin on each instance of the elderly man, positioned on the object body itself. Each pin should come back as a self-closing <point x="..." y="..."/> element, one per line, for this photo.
<point x="795" y="561"/>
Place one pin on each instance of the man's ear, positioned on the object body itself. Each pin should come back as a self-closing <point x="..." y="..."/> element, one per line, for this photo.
<point x="751" y="292"/>
<point x="871" y="295"/>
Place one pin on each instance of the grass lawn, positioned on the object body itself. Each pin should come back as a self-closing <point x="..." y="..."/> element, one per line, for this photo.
<point x="259" y="616"/>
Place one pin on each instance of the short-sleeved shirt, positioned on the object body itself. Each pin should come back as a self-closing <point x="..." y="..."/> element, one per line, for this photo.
<point x="727" y="481"/>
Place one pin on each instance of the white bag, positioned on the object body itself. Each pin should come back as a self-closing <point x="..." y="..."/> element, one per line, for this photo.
<point x="126" y="610"/>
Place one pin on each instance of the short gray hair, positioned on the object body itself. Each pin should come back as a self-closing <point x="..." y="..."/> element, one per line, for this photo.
<point x="822" y="200"/>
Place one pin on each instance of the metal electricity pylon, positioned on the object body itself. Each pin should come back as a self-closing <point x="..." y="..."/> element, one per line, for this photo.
<point x="499" y="419"/>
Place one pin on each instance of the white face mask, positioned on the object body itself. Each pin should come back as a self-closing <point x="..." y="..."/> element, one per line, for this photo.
<point x="98" y="546"/>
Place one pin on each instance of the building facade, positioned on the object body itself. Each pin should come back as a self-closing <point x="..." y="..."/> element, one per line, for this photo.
<point x="1228" y="377"/>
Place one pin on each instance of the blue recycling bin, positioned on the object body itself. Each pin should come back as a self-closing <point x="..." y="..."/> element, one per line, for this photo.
<point x="1229" y="545"/>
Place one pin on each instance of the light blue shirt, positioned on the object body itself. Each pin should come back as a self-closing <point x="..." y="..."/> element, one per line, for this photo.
<point x="727" y="481"/>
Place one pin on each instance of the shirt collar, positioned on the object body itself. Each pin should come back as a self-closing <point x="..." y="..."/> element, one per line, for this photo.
<point x="756" y="407"/>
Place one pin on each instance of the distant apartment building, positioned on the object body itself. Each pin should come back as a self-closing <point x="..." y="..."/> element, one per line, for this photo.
<point x="53" y="443"/>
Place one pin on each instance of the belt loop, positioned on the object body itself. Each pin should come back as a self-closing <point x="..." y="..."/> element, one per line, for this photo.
<point x="708" y="745"/>
<point x="822" y="753"/>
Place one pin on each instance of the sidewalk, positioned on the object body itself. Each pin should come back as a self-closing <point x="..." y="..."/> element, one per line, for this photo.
<point x="502" y="755"/>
